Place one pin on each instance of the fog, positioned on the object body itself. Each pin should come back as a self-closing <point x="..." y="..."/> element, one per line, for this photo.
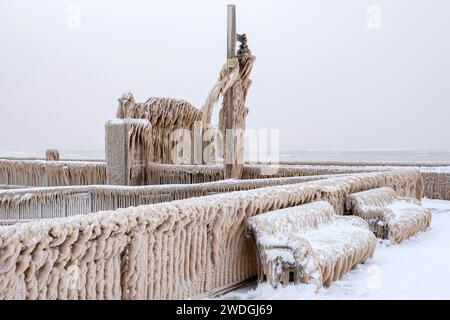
<point x="350" y="74"/>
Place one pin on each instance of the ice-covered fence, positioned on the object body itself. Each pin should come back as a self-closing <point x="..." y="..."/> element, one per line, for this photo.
<point x="436" y="175"/>
<point x="51" y="173"/>
<point x="36" y="204"/>
<point x="58" y="202"/>
<point x="368" y="163"/>
<point x="165" y="115"/>
<point x="145" y="133"/>
<point x="3" y="177"/>
<point x="437" y="184"/>
<point x="258" y="171"/>
<point x="189" y="248"/>
<point x="169" y="174"/>
<point x="131" y="160"/>
<point x="180" y="174"/>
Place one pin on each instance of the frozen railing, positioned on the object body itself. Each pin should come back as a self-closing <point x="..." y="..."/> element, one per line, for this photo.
<point x="436" y="175"/>
<point x="368" y="163"/>
<point x="169" y="173"/>
<point x="51" y="173"/>
<point x="58" y="202"/>
<point x="258" y="171"/>
<point x="26" y="173"/>
<point x="184" y="249"/>
<point x="436" y="184"/>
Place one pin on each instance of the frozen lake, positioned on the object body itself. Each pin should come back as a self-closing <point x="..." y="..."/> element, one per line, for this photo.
<point x="299" y="155"/>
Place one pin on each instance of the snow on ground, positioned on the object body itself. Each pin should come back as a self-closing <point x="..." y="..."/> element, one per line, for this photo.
<point x="418" y="268"/>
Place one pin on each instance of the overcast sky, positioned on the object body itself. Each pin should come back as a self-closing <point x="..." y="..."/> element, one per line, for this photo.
<point x="349" y="74"/>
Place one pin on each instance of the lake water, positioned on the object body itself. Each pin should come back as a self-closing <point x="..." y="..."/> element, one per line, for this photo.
<point x="383" y="155"/>
<point x="298" y="155"/>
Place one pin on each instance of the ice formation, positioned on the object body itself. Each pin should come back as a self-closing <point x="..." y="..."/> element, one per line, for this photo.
<point x="51" y="173"/>
<point x="182" y="249"/>
<point x="165" y="115"/>
<point x="309" y="243"/>
<point x="234" y="74"/>
<point x="52" y="155"/>
<point x="18" y="205"/>
<point x="21" y="173"/>
<point x="389" y="216"/>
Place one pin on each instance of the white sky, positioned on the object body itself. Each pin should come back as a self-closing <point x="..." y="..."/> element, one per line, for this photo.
<point x="322" y="77"/>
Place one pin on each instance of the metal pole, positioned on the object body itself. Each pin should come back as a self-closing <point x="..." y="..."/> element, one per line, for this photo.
<point x="231" y="32"/>
<point x="229" y="156"/>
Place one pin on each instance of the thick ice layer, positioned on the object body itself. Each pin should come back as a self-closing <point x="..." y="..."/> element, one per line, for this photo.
<point x="51" y="173"/>
<point x="389" y="216"/>
<point x="181" y="249"/>
<point x="310" y="242"/>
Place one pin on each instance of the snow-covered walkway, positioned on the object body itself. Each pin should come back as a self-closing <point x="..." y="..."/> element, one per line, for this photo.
<point x="418" y="268"/>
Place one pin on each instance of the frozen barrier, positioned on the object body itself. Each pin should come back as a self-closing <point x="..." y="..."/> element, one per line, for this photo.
<point x="181" y="174"/>
<point x="51" y="173"/>
<point x="388" y="215"/>
<point x="436" y="175"/>
<point x="436" y="184"/>
<point x="258" y="171"/>
<point x="23" y="173"/>
<point x="309" y="244"/>
<point x="182" y="249"/>
<point x="404" y="164"/>
<point x="60" y="202"/>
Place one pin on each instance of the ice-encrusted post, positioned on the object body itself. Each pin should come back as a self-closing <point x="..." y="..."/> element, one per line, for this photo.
<point x="125" y="151"/>
<point x="229" y="156"/>
<point x="116" y="152"/>
<point x="52" y="155"/>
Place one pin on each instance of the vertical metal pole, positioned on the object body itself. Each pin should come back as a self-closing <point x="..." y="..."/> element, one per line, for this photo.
<point x="229" y="156"/>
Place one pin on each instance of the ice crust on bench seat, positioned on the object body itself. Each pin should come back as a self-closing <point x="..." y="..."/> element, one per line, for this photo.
<point x="388" y="215"/>
<point x="309" y="243"/>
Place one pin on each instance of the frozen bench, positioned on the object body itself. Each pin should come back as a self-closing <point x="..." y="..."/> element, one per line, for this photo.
<point x="388" y="215"/>
<point x="308" y="244"/>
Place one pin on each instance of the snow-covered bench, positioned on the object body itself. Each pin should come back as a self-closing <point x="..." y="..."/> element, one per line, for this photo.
<point x="308" y="244"/>
<point x="388" y="215"/>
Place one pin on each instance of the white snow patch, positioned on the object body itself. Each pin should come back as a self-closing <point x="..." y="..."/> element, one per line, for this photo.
<point x="285" y="254"/>
<point x="418" y="268"/>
